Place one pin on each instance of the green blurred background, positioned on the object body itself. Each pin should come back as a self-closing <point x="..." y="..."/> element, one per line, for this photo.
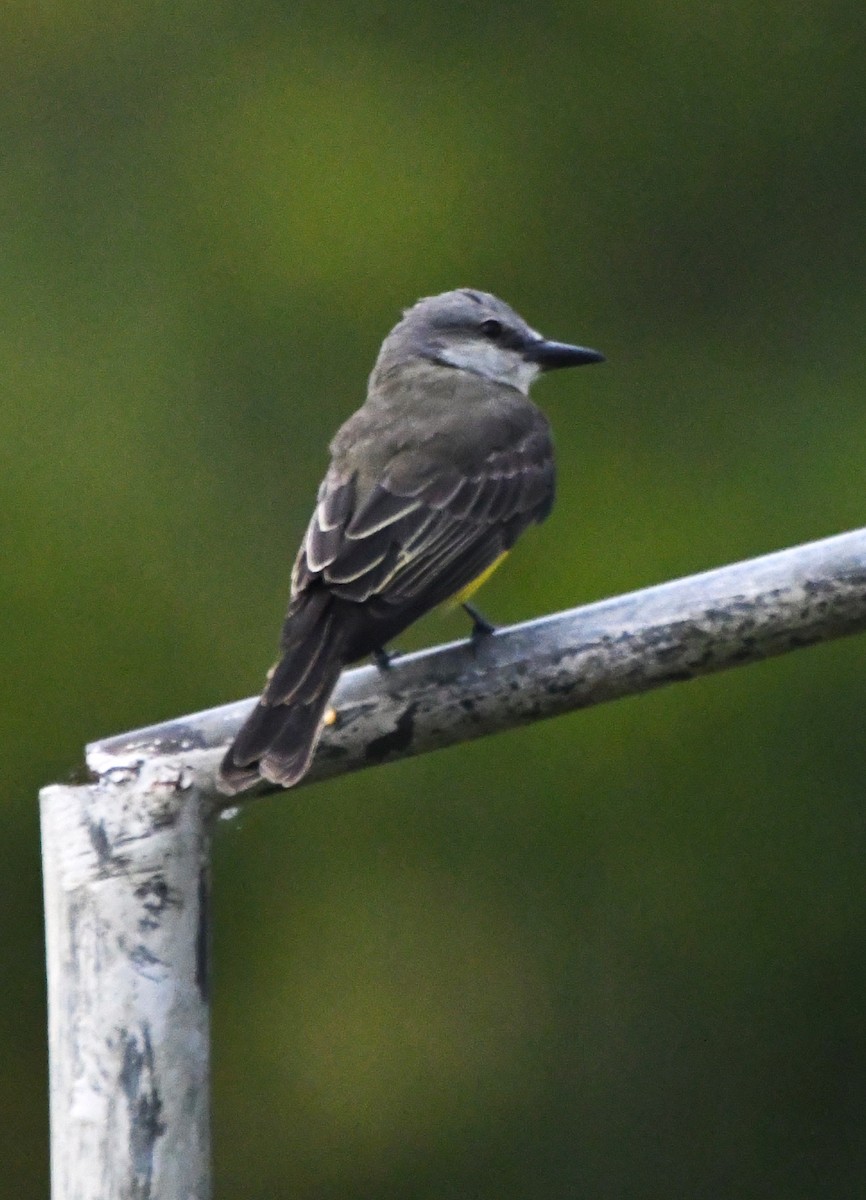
<point x="620" y="955"/>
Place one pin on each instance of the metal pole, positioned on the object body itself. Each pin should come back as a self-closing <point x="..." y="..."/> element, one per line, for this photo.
<point x="125" y="860"/>
<point x="664" y="634"/>
<point x="126" y="885"/>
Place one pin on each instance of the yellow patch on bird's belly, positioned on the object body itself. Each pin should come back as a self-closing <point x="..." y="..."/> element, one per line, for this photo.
<point x="471" y="588"/>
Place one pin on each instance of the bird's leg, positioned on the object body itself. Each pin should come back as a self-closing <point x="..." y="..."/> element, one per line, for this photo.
<point x="481" y="627"/>
<point x="383" y="658"/>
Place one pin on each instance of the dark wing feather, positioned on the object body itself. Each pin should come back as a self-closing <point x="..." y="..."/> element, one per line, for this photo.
<point x="417" y="541"/>
<point x="381" y="508"/>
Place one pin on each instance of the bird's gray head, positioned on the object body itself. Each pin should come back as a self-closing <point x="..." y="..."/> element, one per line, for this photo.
<point x="473" y="331"/>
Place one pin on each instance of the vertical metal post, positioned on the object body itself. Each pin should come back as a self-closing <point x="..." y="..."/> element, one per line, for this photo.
<point x="125" y="866"/>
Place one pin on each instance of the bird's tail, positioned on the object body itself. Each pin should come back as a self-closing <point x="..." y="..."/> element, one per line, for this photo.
<point x="278" y="739"/>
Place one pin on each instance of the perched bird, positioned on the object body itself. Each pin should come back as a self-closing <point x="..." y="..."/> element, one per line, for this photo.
<point x="430" y="484"/>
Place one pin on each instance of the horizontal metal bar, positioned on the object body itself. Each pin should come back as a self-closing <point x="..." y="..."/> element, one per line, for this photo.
<point x="672" y="632"/>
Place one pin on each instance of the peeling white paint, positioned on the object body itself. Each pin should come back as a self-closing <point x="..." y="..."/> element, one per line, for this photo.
<point x="128" y="1017"/>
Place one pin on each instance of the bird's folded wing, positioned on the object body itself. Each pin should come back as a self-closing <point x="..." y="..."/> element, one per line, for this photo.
<point x="424" y="534"/>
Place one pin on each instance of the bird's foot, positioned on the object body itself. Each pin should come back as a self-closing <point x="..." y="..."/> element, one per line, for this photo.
<point x="383" y="658"/>
<point x="481" y="627"/>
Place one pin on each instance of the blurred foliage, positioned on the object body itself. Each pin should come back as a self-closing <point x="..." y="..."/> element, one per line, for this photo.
<point x="617" y="955"/>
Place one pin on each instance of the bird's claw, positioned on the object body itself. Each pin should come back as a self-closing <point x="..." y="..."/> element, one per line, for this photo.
<point x="383" y="658"/>
<point x="481" y="627"/>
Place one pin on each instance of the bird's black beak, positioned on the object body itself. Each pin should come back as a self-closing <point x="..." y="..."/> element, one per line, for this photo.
<point x="552" y="355"/>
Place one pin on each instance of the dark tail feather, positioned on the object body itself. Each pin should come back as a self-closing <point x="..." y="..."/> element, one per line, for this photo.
<point x="279" y="737"/>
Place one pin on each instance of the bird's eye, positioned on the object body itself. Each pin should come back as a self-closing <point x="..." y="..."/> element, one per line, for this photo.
<point x="491" y="329"/>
